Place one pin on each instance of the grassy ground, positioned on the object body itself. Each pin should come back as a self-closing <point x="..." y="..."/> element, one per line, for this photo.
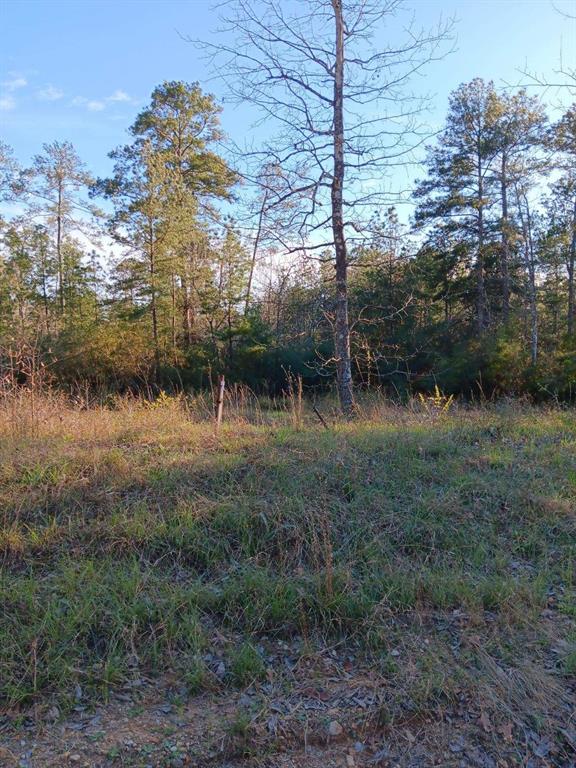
<point x="436" y="550"/>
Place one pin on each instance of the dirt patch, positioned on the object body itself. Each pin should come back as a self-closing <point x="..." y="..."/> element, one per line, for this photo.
<point x="328" y="716"/>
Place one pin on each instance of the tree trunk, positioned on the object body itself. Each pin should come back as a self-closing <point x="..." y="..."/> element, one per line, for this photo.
<point x="153" y="308"/>
<point x="230" y="342"/>
<point x="173" y="318"/>
<point x="187" y="281"/>
<point x="505" y="252"/>
<point x="533" y="304"/>
<point x="255" y="252"/>
<point x="480" y="285"/>
<point x="530" y="263"/>
<point x="186" y="309"/>
<point x="59" y="251"/>
<point x="571" y="265"/>
<point x="44" y="289"/>
<point x="342" y="326"/>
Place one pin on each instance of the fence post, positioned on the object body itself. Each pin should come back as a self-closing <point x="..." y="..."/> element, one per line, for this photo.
<point x="220" y="402"/>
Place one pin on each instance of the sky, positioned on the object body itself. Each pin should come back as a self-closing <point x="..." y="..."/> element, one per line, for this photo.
<point x="80" y="70"/>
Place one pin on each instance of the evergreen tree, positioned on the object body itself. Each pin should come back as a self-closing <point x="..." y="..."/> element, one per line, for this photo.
<point x="55" y="186"/>
<point x="563" y="203"/>
<point x="459" y="189"/>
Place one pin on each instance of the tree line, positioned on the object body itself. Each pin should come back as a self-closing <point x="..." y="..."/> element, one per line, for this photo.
<point x="475" y="294"/>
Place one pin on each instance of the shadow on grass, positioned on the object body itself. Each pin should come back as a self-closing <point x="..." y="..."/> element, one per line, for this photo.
<point x="133" y="561"/>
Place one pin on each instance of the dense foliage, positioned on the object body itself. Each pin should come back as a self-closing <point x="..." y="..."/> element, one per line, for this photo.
<point x="161" y="289"/>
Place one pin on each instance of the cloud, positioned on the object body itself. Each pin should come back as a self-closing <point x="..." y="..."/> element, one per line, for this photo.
<point x="119" y="95"/>
<point x="95" y="106"/>
<point x="50" y="93"/>
<point x="8" y="87"/>
<point x="7" y="103"/>
<point x="15" y="82"/>
<point x="98" y="105"/>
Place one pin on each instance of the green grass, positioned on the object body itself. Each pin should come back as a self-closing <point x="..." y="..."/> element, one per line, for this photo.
<point x="129" y="539"/>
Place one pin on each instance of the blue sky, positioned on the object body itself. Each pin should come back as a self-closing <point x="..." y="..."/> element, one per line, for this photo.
<point x="81" y="69"/>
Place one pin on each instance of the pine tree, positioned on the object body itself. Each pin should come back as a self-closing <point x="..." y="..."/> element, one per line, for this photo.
<point x="163" y="189"/>
<point x="459" y="189"/>
<point x="563" y="139"/>
<point x="55" y="188"/>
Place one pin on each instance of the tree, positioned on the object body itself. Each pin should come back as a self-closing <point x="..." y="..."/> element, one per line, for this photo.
<point x="344" y="118"/>
<point x="182" y="124"/>
<point x="56" y="182"/>
<point x="28" y="278"/>
<point x="163" y="188"/>
<point x="9" y="172"/>
<point x="223" y="296"/>
<point x="269" y="221"/>
<point x="460" y="170"/>
<point x="563" y="139"/>
<point x="141" y="192"/>
<point x="519" y="136"/>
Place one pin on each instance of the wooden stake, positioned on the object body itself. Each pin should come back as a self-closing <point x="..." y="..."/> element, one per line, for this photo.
<point x="322" y="419"/>
<point x="220" y="402"/>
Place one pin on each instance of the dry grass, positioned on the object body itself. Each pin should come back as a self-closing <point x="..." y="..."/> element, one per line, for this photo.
<point x="437" y="544"/>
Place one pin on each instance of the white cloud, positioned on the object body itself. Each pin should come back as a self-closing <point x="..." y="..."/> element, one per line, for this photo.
<point x="7" y="103"/>
<point x="8" y="87"/>
<point x="98" y="105"/>
<point x="50" y="93"/>
<point x="15" y="82"/>
<point x="119" y="95"/>
<point x="92" y="104"/>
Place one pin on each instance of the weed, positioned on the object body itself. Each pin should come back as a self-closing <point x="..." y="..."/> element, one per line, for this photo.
<point x="246" y="665"/>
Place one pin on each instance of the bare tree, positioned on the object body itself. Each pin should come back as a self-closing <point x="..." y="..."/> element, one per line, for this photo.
<point x="266" y="221"/>
<point x="345" y="118"/>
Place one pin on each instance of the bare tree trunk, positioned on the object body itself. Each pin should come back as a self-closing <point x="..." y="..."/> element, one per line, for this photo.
<point x="342" y="327"/>
<point x="255" y="251"/>
<point x="505" y="252"/>
<point x="219" y="402"/>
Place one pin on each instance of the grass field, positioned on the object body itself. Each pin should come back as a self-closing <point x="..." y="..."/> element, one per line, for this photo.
<point x="435" y="550"/>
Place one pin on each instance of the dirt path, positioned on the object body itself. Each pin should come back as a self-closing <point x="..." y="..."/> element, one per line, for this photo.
<point x="336" y="721"/>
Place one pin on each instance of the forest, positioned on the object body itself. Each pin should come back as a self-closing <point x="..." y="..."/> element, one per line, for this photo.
<point x="184" y="264"/>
